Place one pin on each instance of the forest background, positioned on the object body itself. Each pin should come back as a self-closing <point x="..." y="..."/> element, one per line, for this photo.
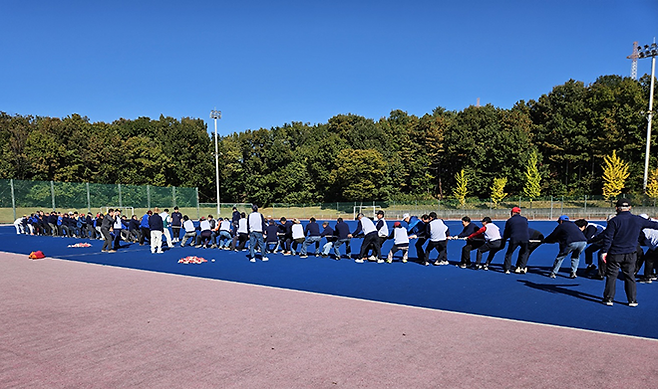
<point x="352" y="158"/>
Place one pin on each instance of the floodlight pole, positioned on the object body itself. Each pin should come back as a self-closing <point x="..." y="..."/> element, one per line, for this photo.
<point x="215" y="114"/>
<point x="649" y="51"/>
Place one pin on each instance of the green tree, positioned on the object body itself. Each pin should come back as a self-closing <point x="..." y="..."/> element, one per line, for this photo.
<point x="615" y="173"/>
<point x="532" y="188"/>
<point x="498" y="190"/>
<point x="358" y="174"/>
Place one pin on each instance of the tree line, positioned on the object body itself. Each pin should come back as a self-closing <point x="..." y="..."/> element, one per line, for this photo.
<point x="567" y="133"/>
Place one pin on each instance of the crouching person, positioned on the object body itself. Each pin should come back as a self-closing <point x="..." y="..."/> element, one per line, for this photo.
<point x="400" y="242"/>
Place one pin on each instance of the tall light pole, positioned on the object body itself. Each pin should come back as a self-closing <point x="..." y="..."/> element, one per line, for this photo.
<point x="646" y="52"/>
<point x="215" y="114"/>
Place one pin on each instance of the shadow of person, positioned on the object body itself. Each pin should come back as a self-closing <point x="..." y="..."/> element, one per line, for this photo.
<point x="562" y="289"/>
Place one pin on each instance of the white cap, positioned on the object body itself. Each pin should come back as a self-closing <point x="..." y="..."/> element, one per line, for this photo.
<point x="406" y="215"/>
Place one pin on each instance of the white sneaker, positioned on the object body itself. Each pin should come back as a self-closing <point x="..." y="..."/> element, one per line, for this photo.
<point x="359" y="260"/>
<point x="252" y="260"/>
<point x="380" y="261"/>
<point x="265" y="259"/>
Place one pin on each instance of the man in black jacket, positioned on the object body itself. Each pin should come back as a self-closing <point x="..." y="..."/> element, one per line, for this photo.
<point x="619" y="251"/>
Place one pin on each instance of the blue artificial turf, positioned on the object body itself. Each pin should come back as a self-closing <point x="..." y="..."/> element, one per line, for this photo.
<point x="530" y="297"/>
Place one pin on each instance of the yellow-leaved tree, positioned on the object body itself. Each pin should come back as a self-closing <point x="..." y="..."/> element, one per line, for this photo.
<point x="498" y="190"/>
<point x="615" y="173"/>
<point x="461" y="188"/>
<point x="652" y="186"/>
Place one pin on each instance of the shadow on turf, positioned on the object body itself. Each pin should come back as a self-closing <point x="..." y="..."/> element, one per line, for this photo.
<point x="562" y="289"/>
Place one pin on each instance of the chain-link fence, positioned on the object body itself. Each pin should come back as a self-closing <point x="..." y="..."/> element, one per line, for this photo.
<point x="545" y="208"/>
<point x="19" y="197"/>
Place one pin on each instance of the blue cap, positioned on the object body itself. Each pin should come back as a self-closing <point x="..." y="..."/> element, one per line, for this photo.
<point x="563" y="218"/>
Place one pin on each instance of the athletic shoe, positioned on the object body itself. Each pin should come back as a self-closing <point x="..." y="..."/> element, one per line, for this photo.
<point x="212" y="247"/>
<point x="517" y="270"/>
<point x="103" y="251"/>
<point x="372" y="258"/>
<point x="303" y="256"/>
<point x="286" y="253"/>
<point x="404" y="260"/>
<point x="573" y="275"/>
<point x="591" y="267"/>
<point x="324" y="255"/>
<point x="552" y="275"/>
<point x="525" y="270"/>
<point x="265" y="259"/>
<point x="462" y="266"/>
<point x="507" y="272"/>
<point x="653" y="278"/>
<point x="608" y="303"/>
<point x="252" y="260"/>
<point x="380" y="260"/>
<point x="645" y="280"/>
<point x="111" y="251"/>
<point x="485" y="267"/>
<point x="632" y="304"/>
<point x="445" y="263"/>
<point x="358" y="260"/>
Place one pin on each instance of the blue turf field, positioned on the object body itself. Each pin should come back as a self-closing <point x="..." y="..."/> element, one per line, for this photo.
<point x="531" y="297"/>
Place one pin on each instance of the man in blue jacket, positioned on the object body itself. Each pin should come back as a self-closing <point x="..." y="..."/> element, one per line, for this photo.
<point x="571" y="240"/>
<point x="619" y="251"/>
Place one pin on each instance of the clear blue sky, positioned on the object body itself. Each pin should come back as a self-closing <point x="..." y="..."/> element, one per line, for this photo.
<point x="266" y="63"/>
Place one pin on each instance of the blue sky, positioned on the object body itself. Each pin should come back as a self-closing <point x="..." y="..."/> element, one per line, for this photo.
<point x="267" y="63"/>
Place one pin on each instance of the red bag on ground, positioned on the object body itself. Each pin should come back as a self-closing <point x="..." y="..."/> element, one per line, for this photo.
<point x="37" y="255"/>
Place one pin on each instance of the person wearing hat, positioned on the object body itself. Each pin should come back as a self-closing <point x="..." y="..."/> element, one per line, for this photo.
<point x="571" y="241"/>
<point x="620" y="251"/>
<point x="490" y="234"/>
<point x="516" y="231"/>
<point x="400" y="242"/>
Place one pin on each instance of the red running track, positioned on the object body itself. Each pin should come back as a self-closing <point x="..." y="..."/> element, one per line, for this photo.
<point x="71" y="324"/>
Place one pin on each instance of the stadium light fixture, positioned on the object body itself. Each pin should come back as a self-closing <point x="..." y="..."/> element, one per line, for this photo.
<point x="646" y="52"/>
<point x="215" y="114"/>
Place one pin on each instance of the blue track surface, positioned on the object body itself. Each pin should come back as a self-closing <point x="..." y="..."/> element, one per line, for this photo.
<point x="531" y="297"/>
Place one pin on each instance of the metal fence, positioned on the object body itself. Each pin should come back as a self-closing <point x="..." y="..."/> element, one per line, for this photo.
<point x="19" y="197"/>
<point x="546" y="208"/>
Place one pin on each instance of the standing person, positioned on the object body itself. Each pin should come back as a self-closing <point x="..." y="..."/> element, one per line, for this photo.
<point x="400" y="238"/>
<point x="144" y="228"/>
<point x="516" y="231"/>
<point x="571" y="240"/>
<point x="438" y="233"/>
<point x="619" y="251"/>
<point x="156" y="227"/>
<point x="176" y="223"/>
<point x="419" y="231"/>
<point x="256" y="226"/>
<point x="118" y="228"/>
<point x="471" y="244"/>
<point x="91" y="229"/>
<point x="106" y="229"/>
<point x="367" y="228"/>
<point x="382" y="229"/>
<point x="166" y="221"/>
<point x="492" y="242"/>
<point x="342" y="234"/>
<point x="313" y="236"/>
<point x="235" y="218"/>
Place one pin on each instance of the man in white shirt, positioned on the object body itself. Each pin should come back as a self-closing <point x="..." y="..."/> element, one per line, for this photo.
<point x="256" y="227"/>
<point x="438" y="236"/>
